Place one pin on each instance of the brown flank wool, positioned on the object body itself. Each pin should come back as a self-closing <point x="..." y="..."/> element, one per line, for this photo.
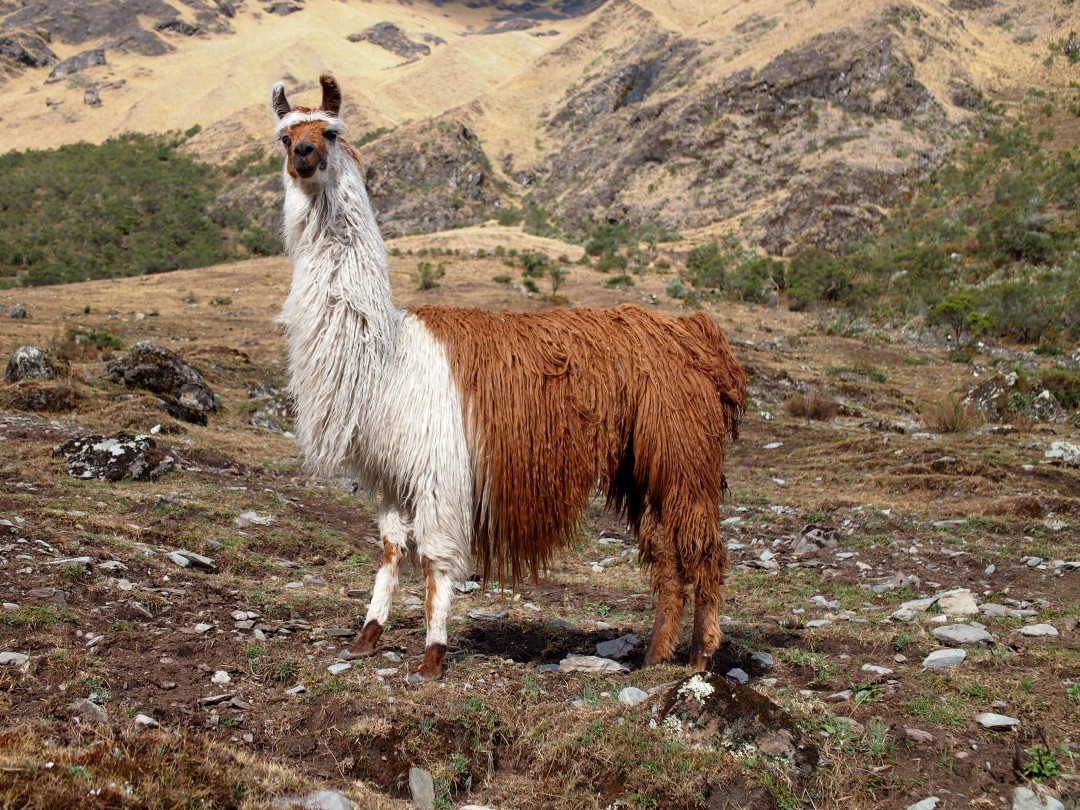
<point x="562" y="401"/>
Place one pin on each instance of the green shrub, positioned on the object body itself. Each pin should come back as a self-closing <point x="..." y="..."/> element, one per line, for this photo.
<point x="608" y="239"/>
<point x="814" y="277"/>
<point x="534" y="263"/>
<point x="509" y="216"/>
<point x="707" y="266"/>
<point x="610" y="261"/>
<point x="427" y="276"/>
<point x="260" y="242"/>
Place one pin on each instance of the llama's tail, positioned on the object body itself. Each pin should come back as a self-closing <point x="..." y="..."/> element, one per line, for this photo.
<point x="716" y="359"/>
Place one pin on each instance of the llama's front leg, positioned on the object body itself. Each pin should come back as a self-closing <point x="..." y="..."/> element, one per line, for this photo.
<point x="440" y="588"/>
<point x="394" y="531"/>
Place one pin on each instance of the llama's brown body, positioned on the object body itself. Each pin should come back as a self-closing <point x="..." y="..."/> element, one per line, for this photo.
<point x="560" y="402"/>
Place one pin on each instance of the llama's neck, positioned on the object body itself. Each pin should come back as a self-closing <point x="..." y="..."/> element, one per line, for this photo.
<point x="340" y="319"/>
<point x="339" y="259"/>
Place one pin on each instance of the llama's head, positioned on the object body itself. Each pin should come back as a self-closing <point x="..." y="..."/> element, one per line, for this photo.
<point x="309" y="135"/>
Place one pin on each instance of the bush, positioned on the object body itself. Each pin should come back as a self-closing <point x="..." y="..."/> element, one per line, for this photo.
<point x="609" y="262"/>
<point x="952" y="415"/>
<point x="707" y="266"/>
<point x="427" y="277"/>
<point x="535" y="263"/>
<point x="813" y="405"/>
<point x="756" y="280"/>
<point x="814" y="277"/>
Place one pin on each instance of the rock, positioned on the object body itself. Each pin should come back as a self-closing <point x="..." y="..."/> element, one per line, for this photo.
<point x="422" y="789"/>
<point x="737" y="675"/>
<point x="319" y="800"/>
<point x="996" y="722"/>
<point x="874" y="669"/>
<point x="1043" y="407"/>
<point x="592" y="664"/>
<point x="179" y="559"/>
<point x="391" y="38"/>
<point x="812" y="540"/>
<point x="1065" y="453"/>
<point x="995" y="611"/>
<point x="617" y="648"/>
<point x="248" y="519"/>
<point x="91" y="97"/>
<point x="78" y="62"/>
<point x="89" y="711"/>
<point x="152" y="368"/>
<point x="467" y="587"/>
<point x="1024" y="798"/>
<point x="917" y="735"/>
<point x="32" y="363"/>
<point x="199" y="561"/>
<point x="113" y="459"/>
<point x="632" y="696"/>
<point x="763" y="659"/>
<point x="146" y="721"/>
<point x="957" y="602"/>
<point x="221" y="677"/>
<point x="17" y="311"/>
<point x="961" y="634"/>
<point x="929" y="803"/>
<point x="488" y="615"/>
<point x="1038" y="630"/>
<point x="337" y="669"/>
<point x="993" y="396"/>
<point x="712" y="711"/>
<point x="944" y="659"/>
<point x="13" y="659"/>
<point x="26" y="49"/>
<point x="818" y="623"/>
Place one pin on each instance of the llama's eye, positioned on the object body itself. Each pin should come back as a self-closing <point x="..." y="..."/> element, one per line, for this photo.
<point x="330" y="135"/>
<point x="285" y="139"/>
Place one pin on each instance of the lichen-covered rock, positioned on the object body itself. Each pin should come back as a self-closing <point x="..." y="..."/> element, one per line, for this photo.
<point x="155" y="369"/>
<point x="1044" y="408"/>
<point x="113" y="459"/>
<point x="32" y="363"/>
<point x="712" y="711"/>
<point x="993" y="397"/>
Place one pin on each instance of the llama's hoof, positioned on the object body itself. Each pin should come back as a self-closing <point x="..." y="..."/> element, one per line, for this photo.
<point x="700" y="662"/>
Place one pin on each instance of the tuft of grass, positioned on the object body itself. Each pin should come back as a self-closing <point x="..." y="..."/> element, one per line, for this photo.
<point x="813" y="405"/>
<point x="952" y="415"/>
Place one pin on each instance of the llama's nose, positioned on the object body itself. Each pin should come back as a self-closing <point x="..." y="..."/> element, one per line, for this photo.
<point x="303" y="149"/>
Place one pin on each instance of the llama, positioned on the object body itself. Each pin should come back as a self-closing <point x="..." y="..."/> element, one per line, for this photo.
<point x="486" y="432"/>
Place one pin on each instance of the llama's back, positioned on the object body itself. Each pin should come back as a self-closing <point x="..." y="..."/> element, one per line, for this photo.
<point x="559" y="401"/>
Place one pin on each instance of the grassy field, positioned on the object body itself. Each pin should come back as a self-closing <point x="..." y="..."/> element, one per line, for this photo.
<point x="909" y="499"/>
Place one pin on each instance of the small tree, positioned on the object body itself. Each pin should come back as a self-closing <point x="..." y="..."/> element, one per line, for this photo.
<point x="557" y="274"/>
<point x="427" y="277"/>
<point x="956" y="312"/>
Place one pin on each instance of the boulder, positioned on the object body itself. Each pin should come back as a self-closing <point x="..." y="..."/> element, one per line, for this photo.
<point x="32" y="363"/>
<point x="79" y="62"/>
<point x="155" y="369"/>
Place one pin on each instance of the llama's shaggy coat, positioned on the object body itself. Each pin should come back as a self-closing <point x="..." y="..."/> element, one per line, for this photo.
<point x="486" y="432"/>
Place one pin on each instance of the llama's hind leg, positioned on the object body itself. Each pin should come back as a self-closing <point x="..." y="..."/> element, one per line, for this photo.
<point x="670" y="592"/>
<point x="437" y="599"/>
<point x="707" y="635"/>
<point x="395" y="531"/>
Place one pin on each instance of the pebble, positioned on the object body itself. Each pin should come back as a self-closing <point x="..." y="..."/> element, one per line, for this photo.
<point x="1038" y="630"/>
<point x="422" y="789"/>
<point x="876" y="670"/>
<point x="632" y="696"/>
<point x="296" y="690"/>
<point x="944" y="659"/>
<point x="917" y="735"/>
<point x="387" y="672"/>
<point x="392" y="657"/>
<point x="962" y="634"/>
<point x="146" y="720"/>
<point x="10" y="606"/>
<point x="739" y="675"/>
<point x="318" y="800"/>
<point x="548" y="668"/>
<point x="467" y="587"/>
<point x="88" y="711"/>
<point x="816" y="623"/>
<point x="929" y="803"/>
<point x="337" y="669"/>
<point x="1024" y="798"/>
<point x="997" y="722"/>
<point x="14" y="659"/>
<point x="957" y="602"/>
<point x="221" y="677"/>
<point x="773" y="445"/>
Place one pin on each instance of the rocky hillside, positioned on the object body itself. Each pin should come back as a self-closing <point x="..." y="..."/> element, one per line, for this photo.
<point x="790" y="124"/>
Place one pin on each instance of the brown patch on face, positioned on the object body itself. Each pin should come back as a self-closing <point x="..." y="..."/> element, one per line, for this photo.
<point x="308" y="148"/>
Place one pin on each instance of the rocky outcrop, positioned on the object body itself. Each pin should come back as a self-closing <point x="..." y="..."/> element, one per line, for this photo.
<point x="79" y="62"/>
<point x="23" y="49"/>
<point x="391" y="38"/>
<point x="430" y="177"/>
<point x="758" y="134"/>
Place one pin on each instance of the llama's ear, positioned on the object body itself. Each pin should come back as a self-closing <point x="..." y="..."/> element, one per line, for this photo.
<point x="278" y="101"/>
<point x="331" y="94"/>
